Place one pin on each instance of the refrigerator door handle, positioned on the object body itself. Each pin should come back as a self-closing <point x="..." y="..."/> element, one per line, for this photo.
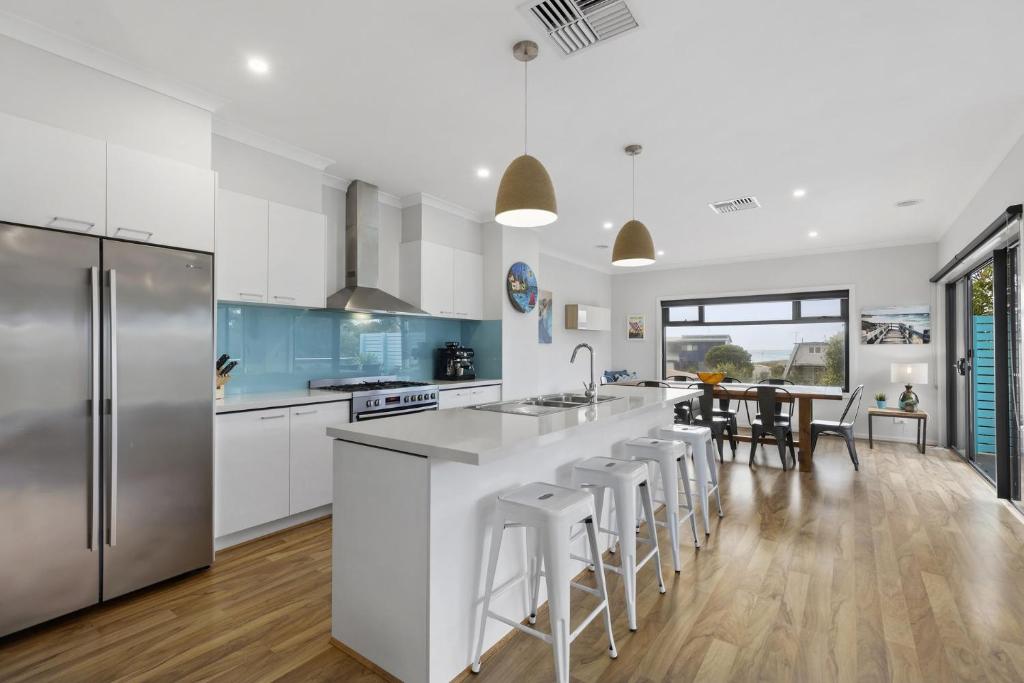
<point x="94" y="471"/>
<point x="112" y="506"/>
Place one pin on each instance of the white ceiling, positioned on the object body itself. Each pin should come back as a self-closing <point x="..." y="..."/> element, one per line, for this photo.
<point x="863" y="103"/>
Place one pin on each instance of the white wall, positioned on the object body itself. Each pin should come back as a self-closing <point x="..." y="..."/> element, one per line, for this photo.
<point x="570" y="283"/>
<point x="879" y="277"/>
<point x="43" y="87"/>
<point x="1003" y="188"/>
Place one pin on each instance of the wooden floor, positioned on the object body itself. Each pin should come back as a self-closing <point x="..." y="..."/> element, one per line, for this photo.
<point x="908" y="570"/>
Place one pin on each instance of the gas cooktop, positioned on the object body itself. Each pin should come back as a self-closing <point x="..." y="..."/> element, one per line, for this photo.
<point x="364" y="384"/>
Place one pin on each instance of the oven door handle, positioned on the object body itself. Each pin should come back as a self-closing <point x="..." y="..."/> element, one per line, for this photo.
<point x="362" y="417"/>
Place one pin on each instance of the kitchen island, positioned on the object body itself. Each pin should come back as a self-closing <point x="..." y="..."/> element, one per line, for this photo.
<point x="413" y="496"/>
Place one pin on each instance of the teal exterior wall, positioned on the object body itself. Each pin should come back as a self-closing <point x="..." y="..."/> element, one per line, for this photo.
<point x="280" y="348"/>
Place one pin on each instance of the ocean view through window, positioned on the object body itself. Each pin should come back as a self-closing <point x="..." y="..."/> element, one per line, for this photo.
<point x="801" y="337"/>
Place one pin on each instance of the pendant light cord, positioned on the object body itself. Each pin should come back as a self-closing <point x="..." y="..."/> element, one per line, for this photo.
<point x="634" y="187"/>
<point x="526" y="109"/>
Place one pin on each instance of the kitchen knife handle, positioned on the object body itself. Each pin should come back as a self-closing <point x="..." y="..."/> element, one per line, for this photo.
<point x="112" y="520"/>
<point x="94" y="470"/>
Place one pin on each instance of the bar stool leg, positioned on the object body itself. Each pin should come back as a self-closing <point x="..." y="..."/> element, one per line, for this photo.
<point x="684" y="474"/>
<point x="700" y="465"/>
<point x="670" y="486"/>
<point x="602" y="586"/>
<point x="534" y="575"/>
<point x="713" y="472"/>
<point x="497" y="531"/>
<point x="558" y="575"/>
<point x="625" y="515"/>
<point x="648" y="504"/>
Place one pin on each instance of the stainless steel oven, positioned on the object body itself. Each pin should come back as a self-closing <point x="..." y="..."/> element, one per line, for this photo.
<point x="379" y="397"/>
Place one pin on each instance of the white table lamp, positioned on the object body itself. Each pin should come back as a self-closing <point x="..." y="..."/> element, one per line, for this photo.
<point x="909" y="374"/>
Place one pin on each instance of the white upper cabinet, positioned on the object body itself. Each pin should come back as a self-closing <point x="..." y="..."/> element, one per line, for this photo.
<point x="242" y="239"/>
<point x="441" y="280"/>
<point x="468" y="285"/>
<point x="51" y="177"/>
<point x="296" y="266"/>
<point x="159" y="201"/>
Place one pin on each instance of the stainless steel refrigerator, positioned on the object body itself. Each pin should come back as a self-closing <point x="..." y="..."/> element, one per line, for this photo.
<point x="106" y="419"/>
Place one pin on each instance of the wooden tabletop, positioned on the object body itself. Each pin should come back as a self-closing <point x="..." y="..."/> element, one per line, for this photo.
<point x="896" y="412"/>
<point x="738" y="389"/>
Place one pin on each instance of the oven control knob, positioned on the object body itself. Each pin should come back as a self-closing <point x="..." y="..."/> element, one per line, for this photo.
<point x="377" y="402"/>
<point x="433" y="395"/>
<point x="420" y="397"/>
<point x="368" y="403"/>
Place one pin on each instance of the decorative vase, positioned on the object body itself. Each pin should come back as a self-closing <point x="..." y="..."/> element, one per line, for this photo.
<point x="880" y="404"/>
<point x="909" y="400"/>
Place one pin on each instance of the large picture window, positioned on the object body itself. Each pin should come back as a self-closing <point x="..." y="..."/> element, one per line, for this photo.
<point x="802" y="337"/>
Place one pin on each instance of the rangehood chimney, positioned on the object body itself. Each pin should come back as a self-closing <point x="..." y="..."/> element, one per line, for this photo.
<point x="362" y="293"/>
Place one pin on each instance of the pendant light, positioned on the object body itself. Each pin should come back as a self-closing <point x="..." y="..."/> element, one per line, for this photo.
<point x="526" y="197"/>
<point x="633" y="245"/>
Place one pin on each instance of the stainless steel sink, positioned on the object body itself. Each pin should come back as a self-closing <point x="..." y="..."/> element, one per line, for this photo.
<point x="543" y="405"/>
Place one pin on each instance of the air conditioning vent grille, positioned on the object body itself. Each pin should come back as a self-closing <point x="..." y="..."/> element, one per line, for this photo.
<point x="577" y="24"/>
<point x="735" y="205"/>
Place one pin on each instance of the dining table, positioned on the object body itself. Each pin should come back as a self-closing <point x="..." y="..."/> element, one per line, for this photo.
<point x="803" y="394"/>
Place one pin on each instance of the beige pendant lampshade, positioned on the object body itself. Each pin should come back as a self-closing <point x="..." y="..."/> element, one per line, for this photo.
<point x="633" y="246"/>
<point x="526" y="197"/>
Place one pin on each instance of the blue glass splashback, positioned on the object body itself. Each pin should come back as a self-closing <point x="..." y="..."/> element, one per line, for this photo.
<point x="283" y="348"/>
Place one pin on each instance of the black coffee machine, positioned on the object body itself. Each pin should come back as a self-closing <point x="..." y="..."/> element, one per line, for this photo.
<point x="455" y="361"/>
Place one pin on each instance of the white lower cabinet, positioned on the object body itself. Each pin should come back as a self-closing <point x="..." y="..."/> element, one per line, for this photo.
<point x="469" y="396"/>
<point x="312" y="460"/>
<point x="271" y="464"/>
<point x="252" y="468"/>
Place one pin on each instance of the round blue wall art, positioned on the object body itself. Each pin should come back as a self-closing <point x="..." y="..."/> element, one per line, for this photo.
<point x="521" y="286"/>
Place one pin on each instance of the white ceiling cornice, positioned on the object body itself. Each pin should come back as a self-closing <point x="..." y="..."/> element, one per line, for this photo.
<point x="443" y="204"/>
<point x="253" y="138"/>
<point x="337" y="182"/>
<point x="76" y="51"/>
<point x="342" y="184"/>
<point x="575" y="260"/>
<point x="390" y="199"/>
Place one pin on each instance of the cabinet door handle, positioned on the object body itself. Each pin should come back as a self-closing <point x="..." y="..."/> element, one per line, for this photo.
<point x="258" y="297"/>
<point x="271" y="417"/>
<point x="306" y="412"/>
<point x="71" y="224"/>
<point x="284" y="298"/>
<point x="147" y="233"/>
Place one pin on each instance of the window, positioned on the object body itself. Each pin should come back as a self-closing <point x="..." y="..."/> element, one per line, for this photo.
<point x="802" y="337"/>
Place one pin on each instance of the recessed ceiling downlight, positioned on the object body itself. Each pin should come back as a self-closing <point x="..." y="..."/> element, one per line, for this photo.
<point x="607" y="225"/>
<point x="258" y="65"/>
<point x="483" y="172"/>
<point x="799" y="193"/>
<point x="812" y="233"/>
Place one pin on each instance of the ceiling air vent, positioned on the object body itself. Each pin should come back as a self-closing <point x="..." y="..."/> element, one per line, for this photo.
<point x="734" y="205"/>
<point x="576" y="24"/>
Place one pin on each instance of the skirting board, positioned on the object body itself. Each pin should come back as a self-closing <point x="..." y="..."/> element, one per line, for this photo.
<point x="364" y="661"/>
<point x="252" y="533"/>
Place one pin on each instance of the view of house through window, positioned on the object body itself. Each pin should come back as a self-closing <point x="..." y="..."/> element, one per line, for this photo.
<point x="801" y="337"/>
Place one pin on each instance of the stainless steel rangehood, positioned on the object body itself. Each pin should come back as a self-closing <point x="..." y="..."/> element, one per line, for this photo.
<point x="362" y="291"/>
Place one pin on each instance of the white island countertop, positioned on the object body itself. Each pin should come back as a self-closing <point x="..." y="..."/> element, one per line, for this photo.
<point x="478" y="437"/>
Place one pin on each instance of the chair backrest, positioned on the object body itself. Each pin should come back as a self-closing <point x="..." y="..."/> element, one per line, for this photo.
<point x="776" y="381"/>
<point x="723" y="403"/>
<point x="855" y="396"/>
<point x="767" y="397"/>
<point x="706" y="401"/>
<point x="653" y="383"/>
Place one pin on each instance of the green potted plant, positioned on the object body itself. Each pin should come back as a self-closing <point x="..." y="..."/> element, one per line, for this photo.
<point x="880" y="399"/>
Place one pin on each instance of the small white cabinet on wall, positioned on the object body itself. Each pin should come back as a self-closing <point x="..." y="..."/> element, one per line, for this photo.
<point x="442" y="280"/>
<point x="51" y="177"/>
<point x="585" y="317"/>
<point x="159" y="201"/>
<point x="269" y="252"/>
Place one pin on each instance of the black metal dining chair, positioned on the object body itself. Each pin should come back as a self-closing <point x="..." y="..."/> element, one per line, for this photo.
<point x="842" y="427"/>
<point x="653" y="383"/>
<point x="777" y="382"/>
<point x="766" y="421"/>
<point x="705" y="416"/>
<point x="727" y="408"/>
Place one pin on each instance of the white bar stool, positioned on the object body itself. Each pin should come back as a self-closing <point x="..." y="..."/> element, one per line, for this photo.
<point x="550" y="512"/>
<point x="667" y="459"/>
<point x="702" y="447"/>
<point x="623" y="479"/>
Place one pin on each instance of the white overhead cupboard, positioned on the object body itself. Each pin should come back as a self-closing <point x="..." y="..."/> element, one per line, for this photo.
<point x="51" y="177"/>
<point x="269" y="253"/>
<point x="442" y="280"/>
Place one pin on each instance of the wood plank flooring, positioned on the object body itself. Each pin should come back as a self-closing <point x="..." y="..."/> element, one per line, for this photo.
<point x="909" y="570"/>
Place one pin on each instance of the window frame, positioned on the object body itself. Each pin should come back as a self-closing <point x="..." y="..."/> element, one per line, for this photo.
<point x="794" y="297"/>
